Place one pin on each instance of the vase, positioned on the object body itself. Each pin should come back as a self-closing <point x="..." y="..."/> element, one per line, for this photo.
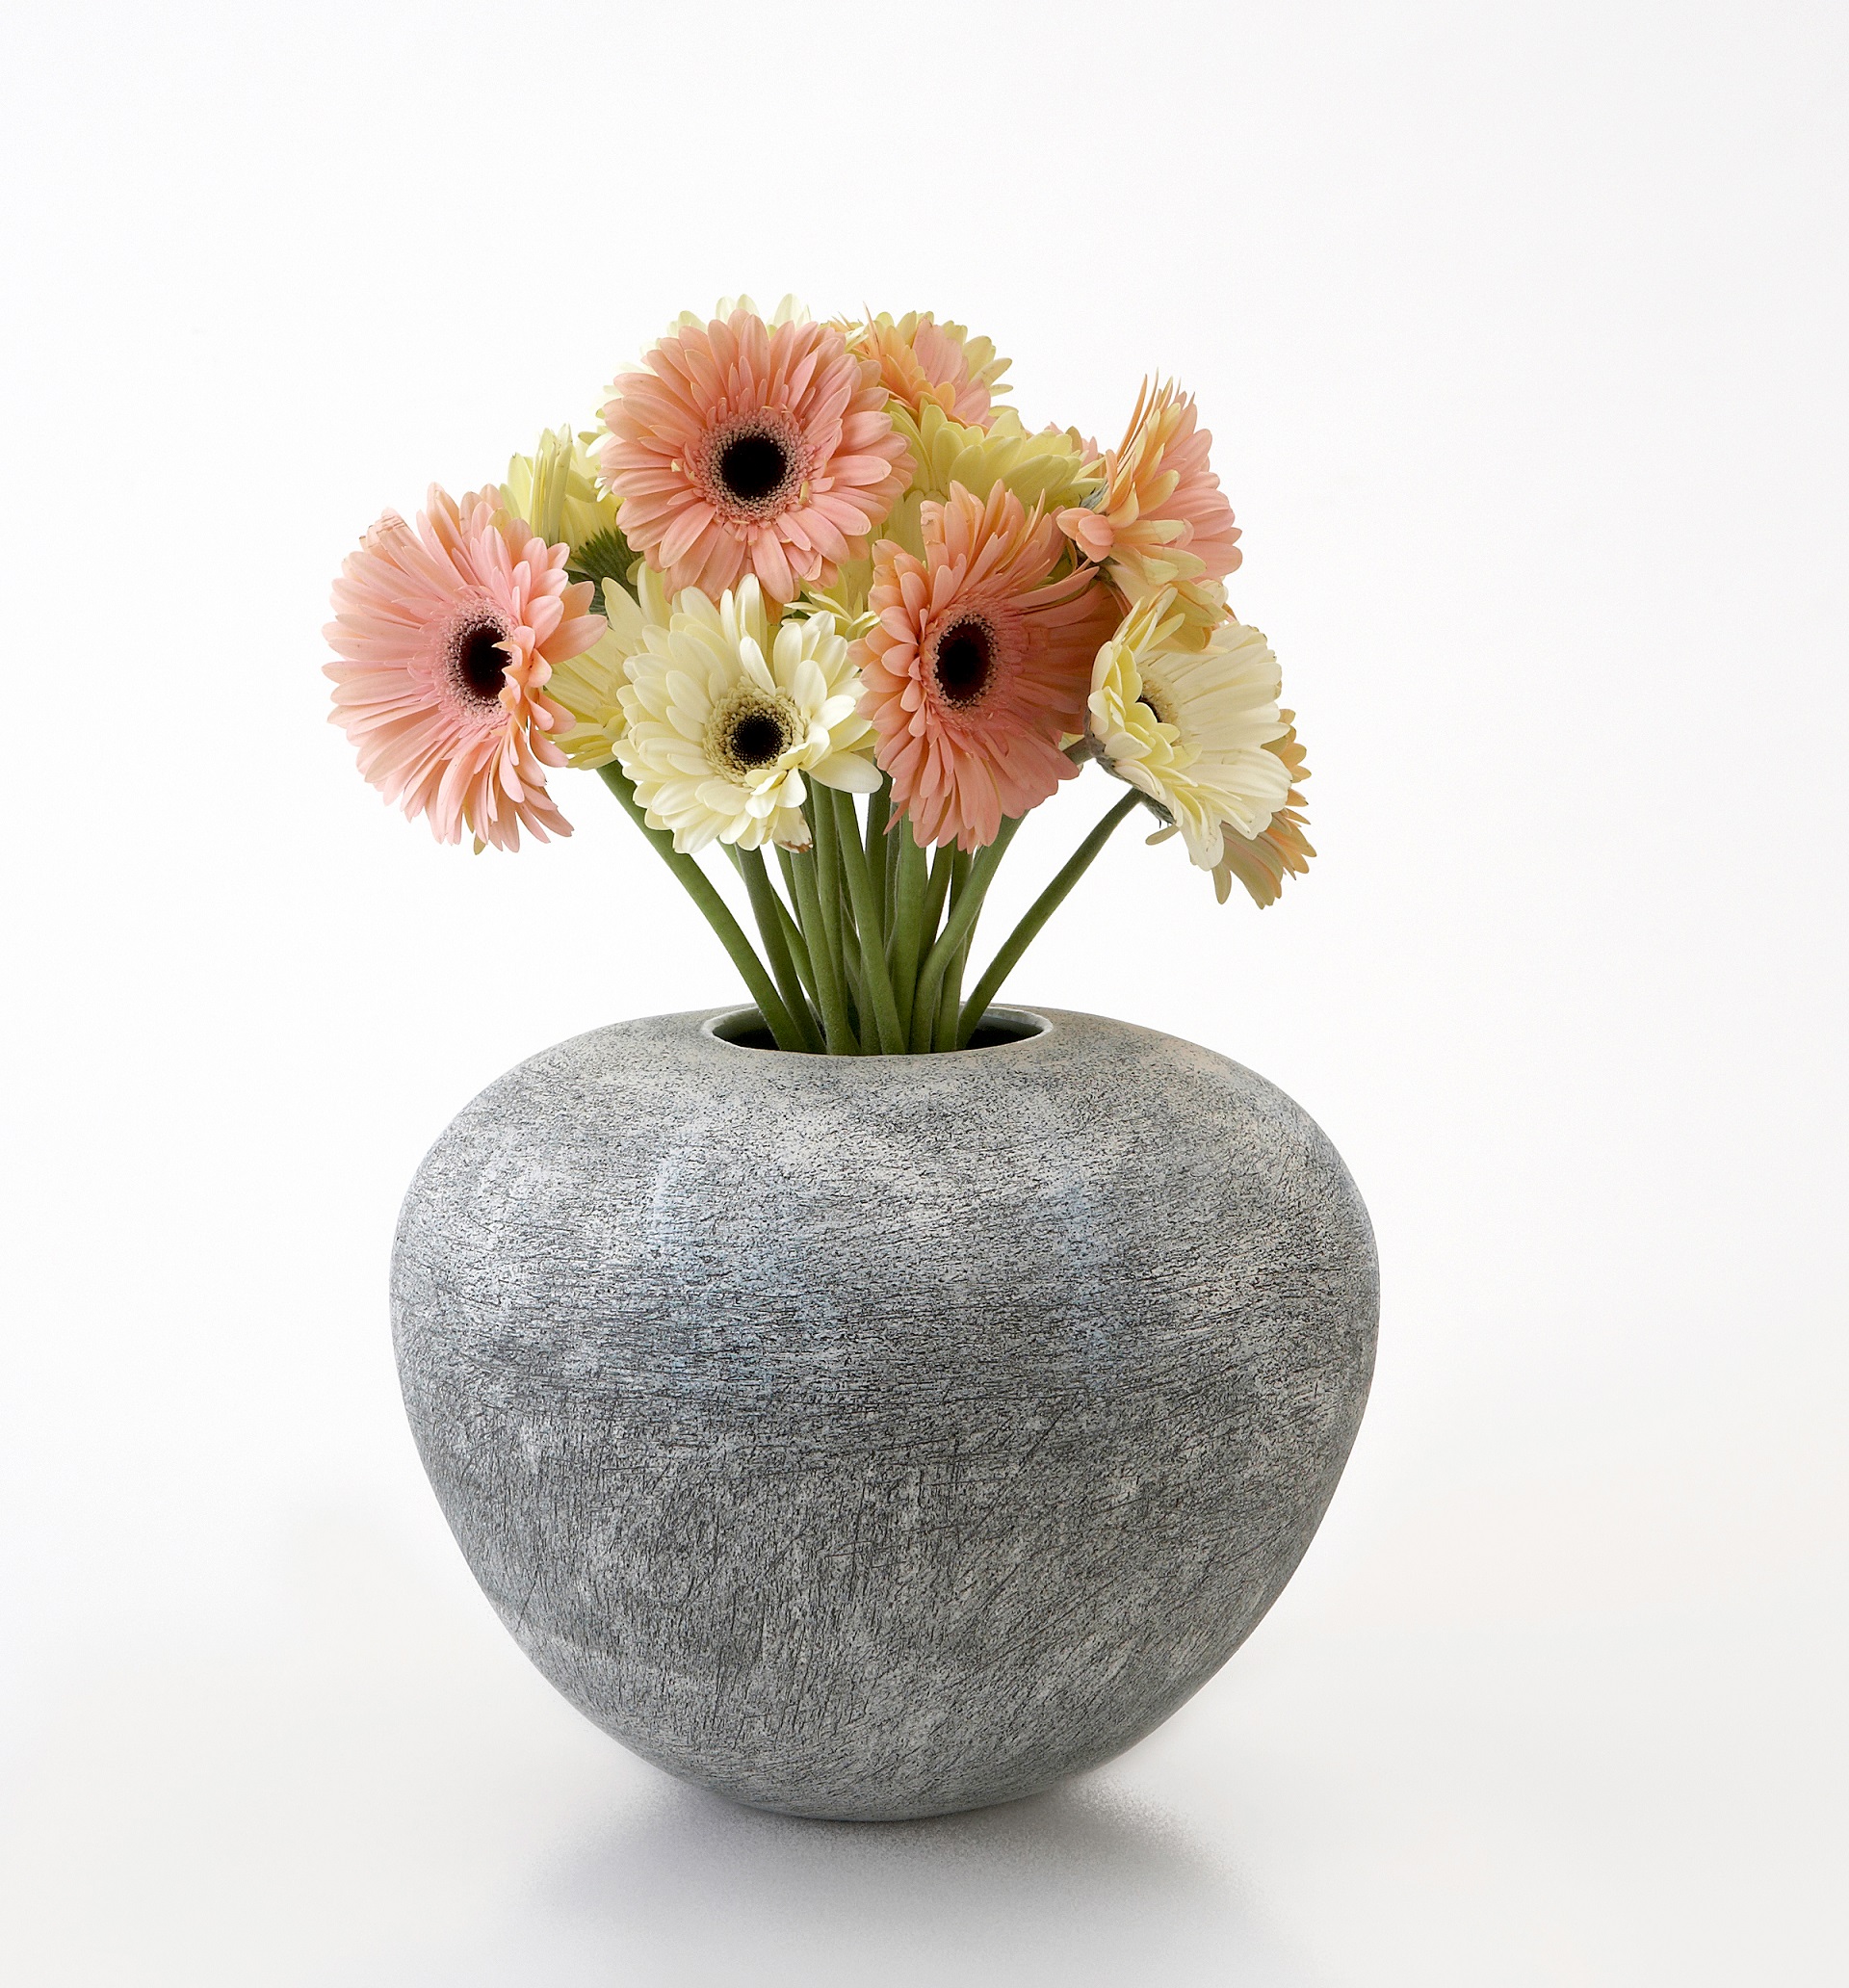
<point x="878" y="1437"/>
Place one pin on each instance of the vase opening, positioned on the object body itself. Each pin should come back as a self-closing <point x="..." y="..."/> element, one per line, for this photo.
<point x="746" y="1027"/>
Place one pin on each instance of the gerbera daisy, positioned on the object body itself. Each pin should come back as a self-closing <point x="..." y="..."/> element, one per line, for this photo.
<point x="446" y="638"/>
<point x="923" y="363"/>
<point x="1050" y="469"/>
<point x="1161" y="518"/>
<point x="790" y="311"/>
<point x="557" y="491"/>
<point x="1189" y="728"/>
<point x="728" y="714"/>
<point x="1263" y="862"/>
<point x="743" y="446"/>
<point x="590" y="686"/>
<point x="979" y="664"/>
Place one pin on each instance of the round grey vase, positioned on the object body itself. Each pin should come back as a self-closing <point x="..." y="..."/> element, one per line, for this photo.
<point x="876" y="1437"/>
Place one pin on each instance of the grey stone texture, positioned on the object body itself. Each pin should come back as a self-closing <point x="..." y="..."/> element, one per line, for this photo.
<point x="881" y="1437"/>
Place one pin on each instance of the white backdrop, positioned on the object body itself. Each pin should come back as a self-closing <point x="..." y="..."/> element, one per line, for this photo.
<point x="1520" y="332"/>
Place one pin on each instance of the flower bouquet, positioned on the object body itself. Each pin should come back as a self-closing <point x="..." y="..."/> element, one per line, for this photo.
<point x="809" y="586"/>
<point x="863" y="1432"/>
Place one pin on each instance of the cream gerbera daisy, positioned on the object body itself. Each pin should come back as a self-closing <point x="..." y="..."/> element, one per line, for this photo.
<point x="1263" y="862"/>
<point x="1189" y="727"/>
<point x="728" y="713"/>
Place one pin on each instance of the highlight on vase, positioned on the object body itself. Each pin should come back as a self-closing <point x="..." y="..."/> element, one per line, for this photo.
<point x="808" y="596"/>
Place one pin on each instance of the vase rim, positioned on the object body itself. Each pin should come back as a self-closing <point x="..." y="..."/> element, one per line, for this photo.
<point x="1005" y="1026"/>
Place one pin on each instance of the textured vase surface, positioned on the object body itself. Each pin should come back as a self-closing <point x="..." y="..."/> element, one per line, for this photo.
<point x="878" y="1437"/>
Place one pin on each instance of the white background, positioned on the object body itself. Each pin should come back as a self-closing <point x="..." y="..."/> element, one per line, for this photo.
<point x="1520" y="330"/>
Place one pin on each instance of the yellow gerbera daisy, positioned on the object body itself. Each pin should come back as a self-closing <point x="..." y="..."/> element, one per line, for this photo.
<point x="556" y="490"/>
<point x="790" y="311"/>
<point x="1052" y="469"/>
<point x="590" y="686"/>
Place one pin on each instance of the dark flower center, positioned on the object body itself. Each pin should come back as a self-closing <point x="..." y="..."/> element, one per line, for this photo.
<point x="481" y="661"/>
<point x="1156" y="704"/>
<point x="965" y="662"/>
<point x="751" y="466"/>
<point x="757" y="739"/>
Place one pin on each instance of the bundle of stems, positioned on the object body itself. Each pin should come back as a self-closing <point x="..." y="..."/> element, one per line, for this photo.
<point x="867" y="942"/>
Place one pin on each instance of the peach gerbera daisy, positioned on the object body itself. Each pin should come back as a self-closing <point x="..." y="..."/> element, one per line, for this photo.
<point x="923" y="363"/>
<point x="979" y="664"/>
<point x="1162" y="519"/>
<point x="446" y="637"/>
<point x="746" y="447"/>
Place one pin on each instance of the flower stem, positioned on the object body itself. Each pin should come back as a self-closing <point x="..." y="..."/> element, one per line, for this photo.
<point x="942" y="868"/>
<point x="954" y="936"/>
<point x="910" y="891"/>
<point x="792" y="930"/>
<point x="879" y="809"/>
<point x="872" y="944"/>
<point x="830" y="994"/>
<point x="859" y="1014"/>
<point x="1036" y="915"/>
<point x="768" y="908"/>
<point x="820" y="806"/>
<point x="949" y="1001"/>
<point x="714" y="910"/>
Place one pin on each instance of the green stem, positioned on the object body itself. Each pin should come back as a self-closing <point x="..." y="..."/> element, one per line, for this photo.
<point x="949" y="1001"/>
<point x="909" y="894"/>
<point x="1036" y="915"/>
<point x="950" y="998"/>
<point x="936" y="891"/>
<point x="873" y="945"/>
<point x="793" y="930"/>
<point x="830" y="994"/>
<point x="714" y="910"/>
<point x="768" y="908"/>
<point x="954" y="936"/>
<point x="859" y="1012"/>
<point x="879" y="809"/>
<point x="820" y="809"/>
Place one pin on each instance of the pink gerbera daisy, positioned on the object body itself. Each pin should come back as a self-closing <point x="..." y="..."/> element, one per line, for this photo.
<point x="979" y="664"/>
<point x="746" y="447"/>
<point x="446" y="638"/>
<point x="1163" y="514"/>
